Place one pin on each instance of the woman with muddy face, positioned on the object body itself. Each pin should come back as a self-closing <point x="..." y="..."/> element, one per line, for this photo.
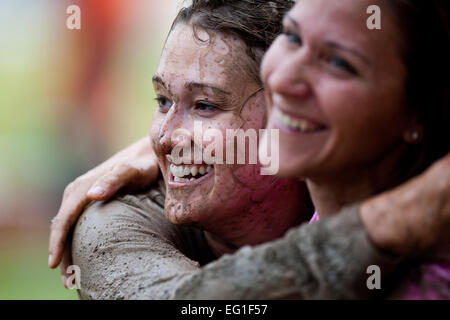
<point x="211" y="78"/>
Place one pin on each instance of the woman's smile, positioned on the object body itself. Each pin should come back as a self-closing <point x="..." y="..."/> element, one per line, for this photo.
<point x="295" y="123"/>
<point x="189" y="174"/>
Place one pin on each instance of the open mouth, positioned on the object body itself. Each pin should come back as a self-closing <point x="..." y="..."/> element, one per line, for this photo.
<point x="297" y="124"/>
<point x="188" y="174"/>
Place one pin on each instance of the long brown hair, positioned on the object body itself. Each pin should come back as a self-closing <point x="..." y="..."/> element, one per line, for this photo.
<point x="425" y="28"/>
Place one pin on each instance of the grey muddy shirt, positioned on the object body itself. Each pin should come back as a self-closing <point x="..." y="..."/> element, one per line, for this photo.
<point x="126" y="249"/>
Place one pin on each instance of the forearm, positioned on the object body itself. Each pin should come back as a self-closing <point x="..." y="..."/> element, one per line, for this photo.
<point x="324" y="260"/>
<point x="130" y="256"/>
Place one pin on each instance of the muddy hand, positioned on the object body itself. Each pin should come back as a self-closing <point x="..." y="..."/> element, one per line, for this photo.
<point x="413" y="217"/>
<point x="133" y="168"/>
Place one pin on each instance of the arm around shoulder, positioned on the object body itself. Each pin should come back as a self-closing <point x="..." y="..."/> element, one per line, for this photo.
<point x="126" y="252"/>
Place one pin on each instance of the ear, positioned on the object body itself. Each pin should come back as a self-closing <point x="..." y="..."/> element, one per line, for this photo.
<point x="414" y="134"/>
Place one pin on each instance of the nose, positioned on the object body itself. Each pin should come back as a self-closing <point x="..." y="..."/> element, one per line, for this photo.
<point x="291" y="77"/>
<point x="171" y="133"/>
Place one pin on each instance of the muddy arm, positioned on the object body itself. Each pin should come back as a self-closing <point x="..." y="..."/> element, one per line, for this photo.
<point x="324" y="260"/>
<point x="127" y="250"/>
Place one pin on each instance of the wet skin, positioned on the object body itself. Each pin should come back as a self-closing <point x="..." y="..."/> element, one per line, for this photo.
<point x="205" y="80"/>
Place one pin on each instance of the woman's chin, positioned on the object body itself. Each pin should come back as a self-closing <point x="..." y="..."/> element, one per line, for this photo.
<point x="289" y="173"/>
<point x="176" y="213"/>
<point x="290" y="168"/>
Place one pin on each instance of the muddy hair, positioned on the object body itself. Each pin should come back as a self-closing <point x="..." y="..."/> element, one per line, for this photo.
<point x="424" y="25"/>
<point x="256" y="22"/>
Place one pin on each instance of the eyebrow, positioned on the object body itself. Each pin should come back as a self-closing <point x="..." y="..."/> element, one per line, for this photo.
<point x="158" y="79"/>
<point x="199" y="85"/>
<point x="194" y="85"/>
<point x="288" y="17"/>
<point x="332" y="44"/>
<point x="338" y="46"/>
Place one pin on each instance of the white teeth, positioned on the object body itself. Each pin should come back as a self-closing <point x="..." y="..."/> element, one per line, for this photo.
<point x="177" y="179"/>
<point x="302" y="126"/>
<point x="181" y="171"/>
<point x="177" y="171"/>
<point x="296" y="124"/>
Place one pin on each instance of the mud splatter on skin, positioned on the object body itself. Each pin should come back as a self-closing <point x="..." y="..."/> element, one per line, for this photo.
<point x="235" y="203"/>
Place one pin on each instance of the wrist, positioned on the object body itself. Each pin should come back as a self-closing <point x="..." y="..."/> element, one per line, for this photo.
<point x="383" y="227"/>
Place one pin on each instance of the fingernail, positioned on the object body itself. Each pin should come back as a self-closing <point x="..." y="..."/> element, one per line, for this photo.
<point x="50" y="260"/>
<point x="96" y="191"/>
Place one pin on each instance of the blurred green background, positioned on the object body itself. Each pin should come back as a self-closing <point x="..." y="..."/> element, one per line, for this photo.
<point x="68" y="100"/>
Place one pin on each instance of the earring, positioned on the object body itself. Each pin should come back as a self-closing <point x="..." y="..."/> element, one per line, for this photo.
<point x="413" y="136"/>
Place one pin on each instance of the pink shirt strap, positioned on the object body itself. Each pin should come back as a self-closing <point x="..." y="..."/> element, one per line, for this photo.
<point x="314" y="218"/>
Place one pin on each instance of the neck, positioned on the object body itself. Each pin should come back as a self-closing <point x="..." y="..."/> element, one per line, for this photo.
<point x="330" y="197"/>
<point x="273" y="210"/>
<point x="332" y="192"/>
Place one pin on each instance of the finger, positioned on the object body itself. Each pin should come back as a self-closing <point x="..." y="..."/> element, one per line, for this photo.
<point x="70" y="210"/>
<point x="109" y="184"/>
<point x="65" y="263"/>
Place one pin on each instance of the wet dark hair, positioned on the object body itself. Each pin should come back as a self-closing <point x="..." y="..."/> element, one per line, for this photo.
<point x="424" y="25"/>
<point x="256" y="22"/>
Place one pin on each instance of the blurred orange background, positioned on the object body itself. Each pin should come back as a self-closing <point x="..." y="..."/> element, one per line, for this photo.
<point x="69" y="99"/>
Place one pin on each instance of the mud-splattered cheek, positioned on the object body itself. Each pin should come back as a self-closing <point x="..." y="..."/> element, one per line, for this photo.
<point x="226" y="122"/>
<point x="254" y="113"/>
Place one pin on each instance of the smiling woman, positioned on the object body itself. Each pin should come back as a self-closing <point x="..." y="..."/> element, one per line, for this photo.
<point x="202" y="85"/>
<point x="369" y="126"/>
<point x="209" y="74"/>
<point x="372" y="123"/>
<point x="233" y="205"/>
<point x="315" y="81"/>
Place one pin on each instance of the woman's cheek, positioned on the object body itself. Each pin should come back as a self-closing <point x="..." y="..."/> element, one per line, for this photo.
<point x="265" y="68"/>
<point x="269" y="61"/>
<point x="215" y="142"/>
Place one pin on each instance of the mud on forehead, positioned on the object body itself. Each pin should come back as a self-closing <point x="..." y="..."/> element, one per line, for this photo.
<point x="218" y="54"/>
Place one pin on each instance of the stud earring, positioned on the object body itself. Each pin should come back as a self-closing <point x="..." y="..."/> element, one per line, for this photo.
<point x="413" y="136"/>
